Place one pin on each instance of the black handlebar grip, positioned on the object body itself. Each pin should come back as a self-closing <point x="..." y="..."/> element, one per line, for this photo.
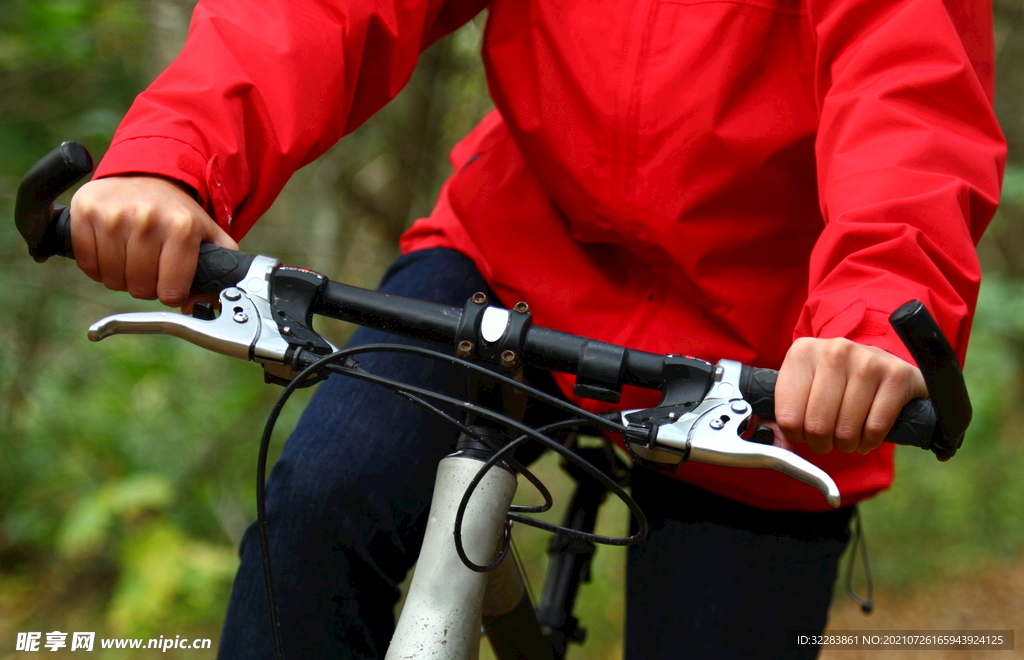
<point x="941" y="370"/>
<point x="219" y="268"/>
<point x="915" y="425"/>
<point x="758" y="387"/>
<point x="46" y="228"/>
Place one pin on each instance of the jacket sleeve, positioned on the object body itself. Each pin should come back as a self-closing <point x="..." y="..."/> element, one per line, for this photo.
<point x="263" y="87"/>
<point x="910" y="159"/>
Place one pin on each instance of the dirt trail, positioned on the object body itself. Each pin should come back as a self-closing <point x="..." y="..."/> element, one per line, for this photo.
<point x="992" y="599"/>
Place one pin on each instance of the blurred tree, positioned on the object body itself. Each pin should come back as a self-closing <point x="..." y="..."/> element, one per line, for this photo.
<point x="1009" y="45"/>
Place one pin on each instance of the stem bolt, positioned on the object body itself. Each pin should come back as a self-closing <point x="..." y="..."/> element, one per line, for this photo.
<point x="508" y="359"/>
<point x="479" y="298"/>
<point x="465" y="347"/>
<point x="521" y="307"/>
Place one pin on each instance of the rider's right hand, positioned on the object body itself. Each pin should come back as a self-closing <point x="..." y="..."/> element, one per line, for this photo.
<point x="141" y="234"/>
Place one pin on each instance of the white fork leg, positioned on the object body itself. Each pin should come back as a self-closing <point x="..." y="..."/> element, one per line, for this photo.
<point x="442" y="613"/>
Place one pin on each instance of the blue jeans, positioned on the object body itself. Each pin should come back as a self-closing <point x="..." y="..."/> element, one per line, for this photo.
<point x="348" y="500"/>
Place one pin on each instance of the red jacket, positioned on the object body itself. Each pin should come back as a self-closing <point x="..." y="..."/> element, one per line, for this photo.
<point x="710" y="177"/>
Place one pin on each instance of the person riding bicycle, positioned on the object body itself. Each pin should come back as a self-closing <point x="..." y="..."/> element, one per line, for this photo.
<point x="760" y="180"/>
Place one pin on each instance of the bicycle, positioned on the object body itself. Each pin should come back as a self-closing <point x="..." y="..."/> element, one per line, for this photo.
<point x="465" y="576"/>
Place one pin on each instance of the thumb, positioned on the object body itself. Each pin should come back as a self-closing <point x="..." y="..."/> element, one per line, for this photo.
<point x="213" y="233"/>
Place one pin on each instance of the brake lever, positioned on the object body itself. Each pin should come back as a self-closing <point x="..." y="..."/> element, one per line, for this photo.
<point x="234" y="333"/>
<point x="712" y="433"/>
<point x="245" y="329"/>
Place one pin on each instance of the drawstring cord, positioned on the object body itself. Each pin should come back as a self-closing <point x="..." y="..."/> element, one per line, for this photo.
<point x="866" y="604"/>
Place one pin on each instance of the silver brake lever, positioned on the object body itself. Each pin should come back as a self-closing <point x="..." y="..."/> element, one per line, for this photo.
<point x="710" y="433"/>
<point x="234" y="333"/>
<point x="245" y="329"/>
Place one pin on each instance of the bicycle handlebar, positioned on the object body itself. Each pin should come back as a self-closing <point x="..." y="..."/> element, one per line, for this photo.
<point x="917" y="424"/>
<point x="45" y="227"/>
<point x="601" y="368"/>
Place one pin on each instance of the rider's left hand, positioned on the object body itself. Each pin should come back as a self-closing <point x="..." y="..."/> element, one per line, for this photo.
<point x="837" y="393"/>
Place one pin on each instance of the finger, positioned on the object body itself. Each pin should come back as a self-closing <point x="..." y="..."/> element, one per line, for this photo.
<point x="83" y="237"/>
<point x="212" y="233"/>
<point x="780" y="440"/>
<point x="792" y="389"/>
<point x="110" y="252"/>
<point x="823" y="403"/>
<point x="894" y="392"/>
<point x="178" y="264"/>
<point x="856" y="404"/>
<point x="142" y="263"/>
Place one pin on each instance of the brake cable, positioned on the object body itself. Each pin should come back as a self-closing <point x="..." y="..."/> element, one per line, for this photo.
<point x="349" y="367"/>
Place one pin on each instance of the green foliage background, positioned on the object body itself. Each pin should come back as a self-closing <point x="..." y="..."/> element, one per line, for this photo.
<point x="127" y="467"/>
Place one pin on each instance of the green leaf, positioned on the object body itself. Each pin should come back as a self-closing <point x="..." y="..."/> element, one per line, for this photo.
<point x="90" y="522"/>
